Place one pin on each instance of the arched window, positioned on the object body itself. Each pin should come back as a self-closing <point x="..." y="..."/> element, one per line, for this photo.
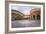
<point x="38" y="17"/>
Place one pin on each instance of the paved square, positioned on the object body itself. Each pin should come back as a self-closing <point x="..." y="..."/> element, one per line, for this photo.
<point x="25" y="23"/>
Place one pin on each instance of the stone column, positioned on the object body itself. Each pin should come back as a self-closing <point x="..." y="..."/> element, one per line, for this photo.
<point x="35" y="17"/>
<point x="32" y="17"/>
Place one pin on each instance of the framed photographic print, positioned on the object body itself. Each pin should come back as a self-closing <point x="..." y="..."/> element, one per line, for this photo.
<point x="24" y="16"/>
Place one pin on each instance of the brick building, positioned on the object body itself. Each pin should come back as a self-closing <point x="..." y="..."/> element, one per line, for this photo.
<point x="35" y="14"/>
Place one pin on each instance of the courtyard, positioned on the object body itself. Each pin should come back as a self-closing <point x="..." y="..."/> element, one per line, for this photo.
<point x="25" y="23"/>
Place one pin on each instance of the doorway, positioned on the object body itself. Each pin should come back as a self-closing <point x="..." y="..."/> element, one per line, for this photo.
<point x="38" y="17"/>
<point x="34" y="17"/>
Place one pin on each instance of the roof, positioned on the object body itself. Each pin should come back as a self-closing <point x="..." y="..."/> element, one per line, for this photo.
<point x="17" y="12"/>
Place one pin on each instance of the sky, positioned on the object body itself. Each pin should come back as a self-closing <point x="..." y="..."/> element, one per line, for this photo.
<point x="23" y="9"/>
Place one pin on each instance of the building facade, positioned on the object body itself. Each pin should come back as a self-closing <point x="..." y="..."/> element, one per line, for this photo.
<point x="35" y="14"/>
<point x="16" y="15"/>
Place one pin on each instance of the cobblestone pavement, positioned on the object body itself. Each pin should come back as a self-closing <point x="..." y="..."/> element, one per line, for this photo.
<point x="25" y="23"/>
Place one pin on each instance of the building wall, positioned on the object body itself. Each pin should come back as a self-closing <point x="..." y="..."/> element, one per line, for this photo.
<point x="35" y="14"/>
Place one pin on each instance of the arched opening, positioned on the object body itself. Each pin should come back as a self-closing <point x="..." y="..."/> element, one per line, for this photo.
<point x="38" y="17"/>
<point x="34" y="17"/>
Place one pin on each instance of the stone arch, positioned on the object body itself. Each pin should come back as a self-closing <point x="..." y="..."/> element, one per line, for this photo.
<point x="38" y="17"/>
<point x="34" y="17"/>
